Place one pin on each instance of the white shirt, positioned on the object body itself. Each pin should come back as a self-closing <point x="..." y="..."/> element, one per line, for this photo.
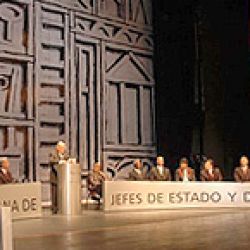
<point x="185" y="175"/>
<point x="244" y="168"/>
<point x="210" y="171"/>
<point x="138" y="171"/>
<point x="4" y="171"/>
<point x="160" y="169"/>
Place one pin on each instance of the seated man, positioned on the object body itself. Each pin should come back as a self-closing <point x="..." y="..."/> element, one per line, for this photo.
<point x="242" y="172"/>
<point x="184" y="172"/>
<point x="138" y="173"/>
<point x="55" y="158"/>
<point x="5" y="174"/>
<point x="210" y="172"/>
<point x="160" y="172"/>
<point x="95" y="180"/>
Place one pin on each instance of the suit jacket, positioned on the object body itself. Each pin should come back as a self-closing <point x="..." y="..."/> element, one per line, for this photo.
<point x="205" y="176"/>
<point x="240" y="176"/>
<point x="54" y="159"/>
<point x="135" y="176"/>
<point x="179" y="174"/>
<point x="95" y="179"/>
<point x="6" y="178"/>
<point x="155" y="175"/>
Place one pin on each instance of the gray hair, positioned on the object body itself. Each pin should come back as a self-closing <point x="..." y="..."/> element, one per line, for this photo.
<point x="61" y="143"/>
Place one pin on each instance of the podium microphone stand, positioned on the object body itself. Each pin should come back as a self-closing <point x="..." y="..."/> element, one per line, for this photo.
<point x="69" y="188"/>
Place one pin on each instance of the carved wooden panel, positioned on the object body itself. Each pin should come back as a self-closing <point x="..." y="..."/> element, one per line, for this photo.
<point x="15" y="27"/>
<point x="130" y="98"/>
<point x="52" y="81"/>
<point x="114" y="32"/>
<point x="15" y="144"/>
<point x="79" y="71"/>
<point x="140" y="12"/>
<point x="113" y="8"/>
<point x="16" y="90"/>
<point x="84" y="116"/>
<point x="129" y="110"/>
<point x="13" y="90"/>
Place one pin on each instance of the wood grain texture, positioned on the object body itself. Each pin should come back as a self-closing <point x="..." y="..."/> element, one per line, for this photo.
<point x="79" y="71"/>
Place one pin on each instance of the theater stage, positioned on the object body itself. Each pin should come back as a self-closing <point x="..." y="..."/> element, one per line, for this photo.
<point x="174" y="229"/>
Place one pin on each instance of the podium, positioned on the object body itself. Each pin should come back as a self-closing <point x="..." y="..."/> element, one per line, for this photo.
<point x="69" y="187"/>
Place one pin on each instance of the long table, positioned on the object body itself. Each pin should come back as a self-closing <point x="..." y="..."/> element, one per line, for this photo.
<point x="23" y="199"/>
<point x="133" y="195"/>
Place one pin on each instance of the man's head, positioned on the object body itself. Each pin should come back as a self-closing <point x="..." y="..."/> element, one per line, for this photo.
<point x="244" y="160"/>
<point x="61" y="147"/>
<point x="138" y="164"/>
<point x="4" y="163"/>
<point x="183" y="163"/>
<point x="209" y="164"/>
<point x="160" y="160"/>
<point x="97" y="167"/>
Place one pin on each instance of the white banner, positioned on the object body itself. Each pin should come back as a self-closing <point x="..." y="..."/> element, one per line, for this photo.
<point x="23" y="199"/>
<point x="125" y="195"/>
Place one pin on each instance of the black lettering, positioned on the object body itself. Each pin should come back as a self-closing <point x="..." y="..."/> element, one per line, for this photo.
<point x="15" y="207"/>
<point x="232" y="196"/>
<point x="6" y="203"/>
<point x="171" y="197"/>
<point x="33" y="204"/>
<point x="139" y="198"/>
<point x="204" y="197"/>
<point x="125" y="198"/>
<point x="179" y="197"/>
<point x="151" y="198"/>
<point x="132" y="198"/>
<point x="246" y="196"/>
<point x="26" y="204"/>
<point x="160" y="198"/>
<point x="119" y="199"/>
<point x="113" y="200"/>
<point x="194" y="197"/>
<point x="186" y="195"/>
<point x="215" y="197"/>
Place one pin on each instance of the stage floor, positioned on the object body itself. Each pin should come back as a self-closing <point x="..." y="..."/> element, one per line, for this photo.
<point x="174" y="229"/>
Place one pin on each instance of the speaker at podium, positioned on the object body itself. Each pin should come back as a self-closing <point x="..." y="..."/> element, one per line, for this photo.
<point x="69" y="188"/>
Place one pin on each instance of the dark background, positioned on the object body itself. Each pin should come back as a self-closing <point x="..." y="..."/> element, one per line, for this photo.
<point x="203" y="103"/>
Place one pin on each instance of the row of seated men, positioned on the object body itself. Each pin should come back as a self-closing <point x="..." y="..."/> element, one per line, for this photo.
<point x="160" y="172"/>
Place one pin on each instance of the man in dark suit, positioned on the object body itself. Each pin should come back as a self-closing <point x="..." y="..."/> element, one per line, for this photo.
<point x="58" y="156"/>
<point x="210" y="172"/>
<point x="138" y="173"/>
<point x="160" y="172"/>
<point x="242" y="172"/>
<point x="95" y="180"/>
<point x="184" y="172"/>
<point x="5" y="174"/>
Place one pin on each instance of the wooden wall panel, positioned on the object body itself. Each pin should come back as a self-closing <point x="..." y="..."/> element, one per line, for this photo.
<point x="52" y="73"/>
<point x="83" y="102"/>
<point x="16" y="89"/>
<point x="79" y="71"/>
<point x="129" y="76"/>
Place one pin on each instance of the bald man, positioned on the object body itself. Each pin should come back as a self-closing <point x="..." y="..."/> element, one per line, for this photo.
<point x="242" y="172"/>
<point x="160" y="172"/>
<point x="138" y="173"/>
<point x="95" y="180"/>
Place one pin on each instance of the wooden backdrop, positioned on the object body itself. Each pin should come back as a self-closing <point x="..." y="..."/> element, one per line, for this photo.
<point x="79" y="71"/>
